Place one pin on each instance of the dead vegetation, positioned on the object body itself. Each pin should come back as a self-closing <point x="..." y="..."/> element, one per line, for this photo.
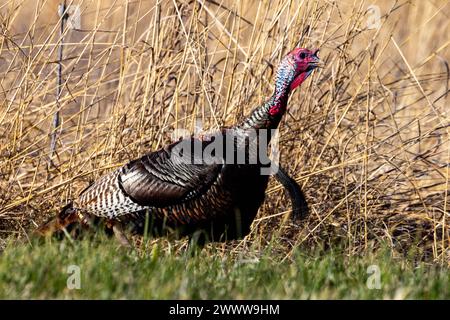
<point x="367" y="136"/>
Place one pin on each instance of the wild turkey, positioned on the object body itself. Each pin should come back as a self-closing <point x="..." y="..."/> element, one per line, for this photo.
<point x="162" y="193"/>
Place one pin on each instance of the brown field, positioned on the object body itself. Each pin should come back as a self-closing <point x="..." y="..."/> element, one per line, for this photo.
<point x="367" y="136"/>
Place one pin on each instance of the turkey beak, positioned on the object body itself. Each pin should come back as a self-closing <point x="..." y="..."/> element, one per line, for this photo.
<point x="316" y="62"/>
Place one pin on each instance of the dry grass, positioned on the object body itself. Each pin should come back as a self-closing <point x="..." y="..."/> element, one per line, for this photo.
<point x="367" y="136"/>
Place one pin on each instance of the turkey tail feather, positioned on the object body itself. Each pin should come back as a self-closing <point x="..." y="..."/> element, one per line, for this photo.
<point x="63" y="219"/>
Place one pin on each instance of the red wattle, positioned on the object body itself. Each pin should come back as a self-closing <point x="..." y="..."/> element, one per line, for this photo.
<point x="298" y="81"/>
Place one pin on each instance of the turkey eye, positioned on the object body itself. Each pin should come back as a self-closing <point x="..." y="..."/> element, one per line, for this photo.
<point x="302" y="55"/>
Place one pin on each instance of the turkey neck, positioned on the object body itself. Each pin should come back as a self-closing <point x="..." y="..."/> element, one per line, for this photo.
<point x="268" y="115"/>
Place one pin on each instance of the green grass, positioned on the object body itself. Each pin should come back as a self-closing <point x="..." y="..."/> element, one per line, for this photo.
<point x="109" y="272"/>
